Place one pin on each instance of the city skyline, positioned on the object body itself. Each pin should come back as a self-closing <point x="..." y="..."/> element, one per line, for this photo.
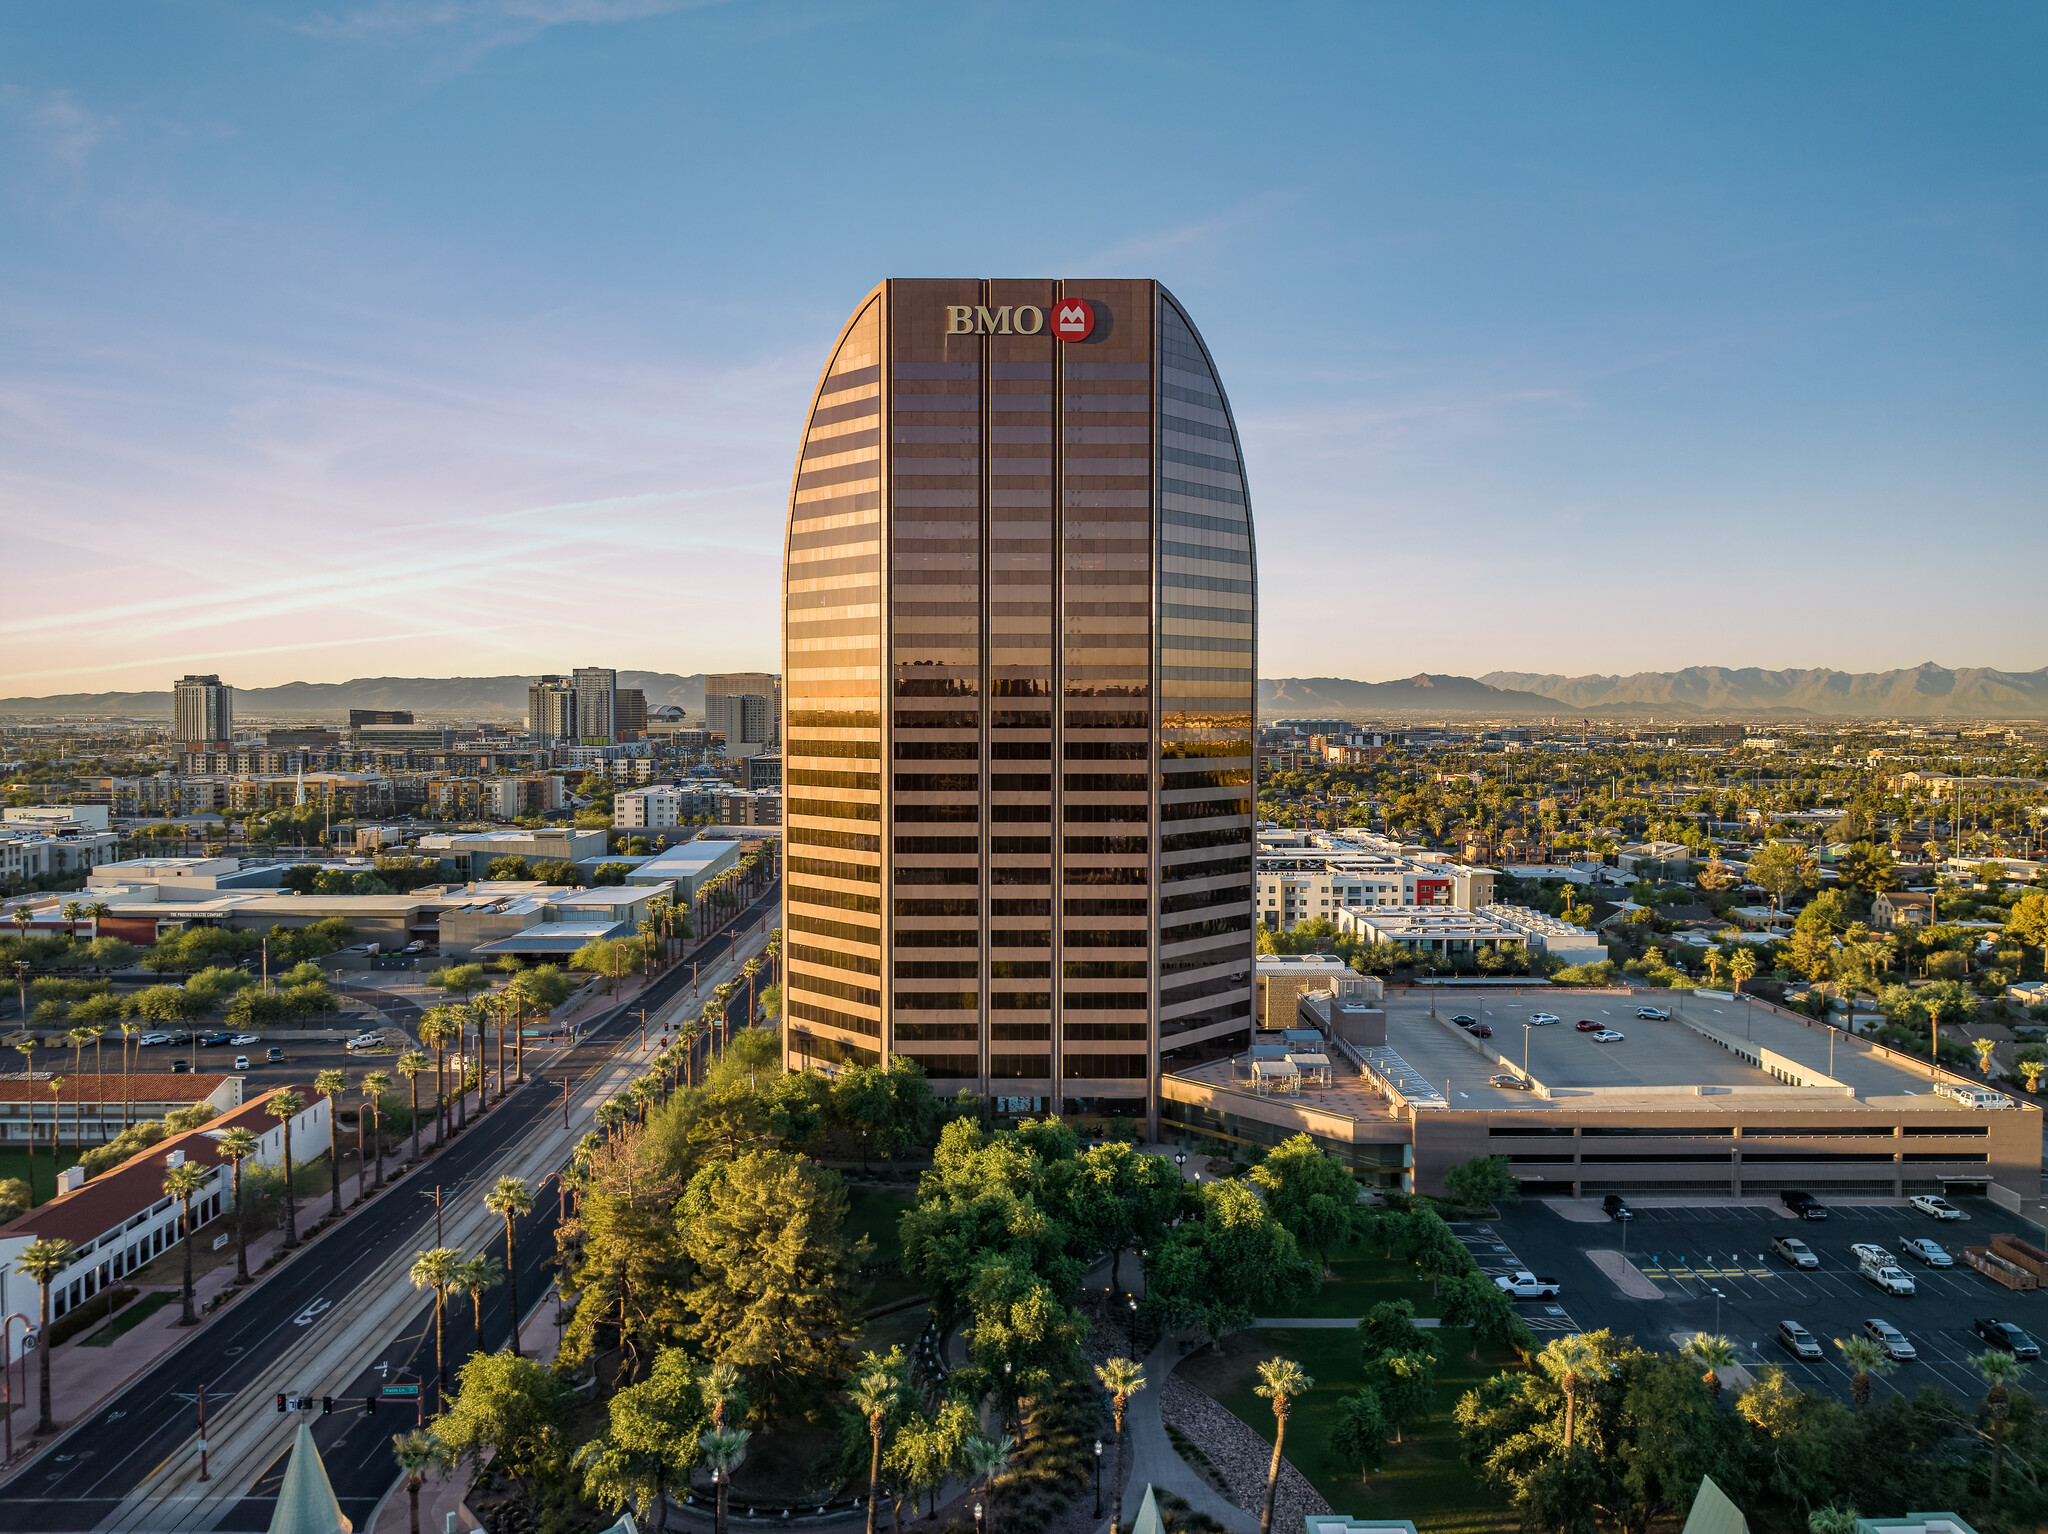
<point x="398" y="331"/>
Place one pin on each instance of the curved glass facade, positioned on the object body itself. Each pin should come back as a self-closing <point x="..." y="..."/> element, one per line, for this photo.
<point x="1019" y="846"/>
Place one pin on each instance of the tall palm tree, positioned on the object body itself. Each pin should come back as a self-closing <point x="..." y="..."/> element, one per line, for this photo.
<point x="435" y="1030"/>
<point x="235" y="1147"/>
<point x="1866" y="1361"/>
<point x="375" y="1084"/>
<point x="986" y="1459"/>
<point x="720" y="1387"/>
<point x="1715" y="1353"/>
<point x="284" y="1107"/>
<point x="56" y="1117"/>
<point x="1282" y="1382"/>
<point x="874" y="1397"/>
<point x="42" y="1261"/>
<point x="330" y="1085"/>
<point x="418" y="1452"/>
<point x="130" y="1027"/>
<point x="724" y="1448"/>
<point x="183" y="1183"/>
<point x="1572" y="1361"/>
<point x="478" y="1276"/>
<point x="80" y="1037"/>
<point x="438" y="1270"/>
<point x="1998" y="1370"/>
<point x="410" y="1065"/>
<point x="509" y="1200"/>
<point x="1122" y="1378"/>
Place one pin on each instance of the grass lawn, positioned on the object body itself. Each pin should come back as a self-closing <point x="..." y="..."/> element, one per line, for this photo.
<point x="14" y="1162"/>
<point x="1364" y="1278"/>
<point x="873" y="1213"/>
<point x="133" y="1314"/>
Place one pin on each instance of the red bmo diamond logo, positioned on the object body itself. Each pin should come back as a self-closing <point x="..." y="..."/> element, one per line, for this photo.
<point x="1073" y="319"/>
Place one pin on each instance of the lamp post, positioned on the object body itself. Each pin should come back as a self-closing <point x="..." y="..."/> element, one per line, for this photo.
<point x="1134" y="1327"/>
<point x="1098" y="1477"/>
<point x="1717" y="1312"/>
<point x="7" y="1378"/>
<point x="1180" y="1163"/>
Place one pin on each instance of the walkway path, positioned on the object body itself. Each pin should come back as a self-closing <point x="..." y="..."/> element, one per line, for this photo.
<point x="1154" y="1460"/>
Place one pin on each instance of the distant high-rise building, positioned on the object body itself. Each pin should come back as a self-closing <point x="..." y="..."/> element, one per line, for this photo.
<point x="747" y="718"/>
<point x="360" y="716"/>
<point x="597" y="703"/>
<point x="631" y="723"/>
<point x="1019" y="636"/>
<point x="204" y="710"/>
<point x="551" y="710"/>
<point x="734" y="684"/>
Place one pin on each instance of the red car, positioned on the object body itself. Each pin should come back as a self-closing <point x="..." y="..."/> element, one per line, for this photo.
<point x="1585" y="1025"/>
<point x="1480" y="1030"/>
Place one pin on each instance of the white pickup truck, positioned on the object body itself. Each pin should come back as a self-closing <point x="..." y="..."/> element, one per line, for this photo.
<point x="1881" y="1268"/>
<point x="1524" y="1285"/>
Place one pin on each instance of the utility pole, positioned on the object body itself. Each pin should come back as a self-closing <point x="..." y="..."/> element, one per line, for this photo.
<point x="203" y="1473"/>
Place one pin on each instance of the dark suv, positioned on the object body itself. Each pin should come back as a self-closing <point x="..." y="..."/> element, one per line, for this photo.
<point x="1617" y="1207"/>
<point x="1805" y="1205"/>
<point x="2003" y="1334"/>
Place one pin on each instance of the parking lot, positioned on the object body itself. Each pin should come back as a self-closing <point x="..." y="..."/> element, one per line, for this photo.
<point x="1709" y="1259"/>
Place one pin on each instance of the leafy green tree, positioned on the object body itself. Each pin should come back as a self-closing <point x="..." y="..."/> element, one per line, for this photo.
<point x="1405" y="1384"/>
<point x="514" y="869"/>
<point x="1310" y="1193"/>
<point x="1481" y="1181"/>
<point x="1283" y="1382"/>
<point x="1228" y="1265"/>
<point x="1117" y="1198"/>
<point x="772" y="1273"/>
<point x="1360" y="1431"/>
<point x="1868" y="867"/>
<point x="512" y="1409"/>
<point x="559" y="871"/>
<point x="650" y="1438"/>
<point x="925" y="1449"/>
<point x="1470" y="1300"/>
<point x="1781" y="870"/>
<point x="1389" y="1327"/>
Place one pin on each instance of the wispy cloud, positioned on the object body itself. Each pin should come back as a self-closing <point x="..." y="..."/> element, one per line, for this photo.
<point x="61" y="130"/>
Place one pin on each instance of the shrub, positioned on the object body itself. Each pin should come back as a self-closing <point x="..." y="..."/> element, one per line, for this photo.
<point x="91" y="1313"/>
<point x="135" y="1138"/>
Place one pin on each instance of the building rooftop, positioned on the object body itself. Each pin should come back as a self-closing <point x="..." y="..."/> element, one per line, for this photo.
<point x="556" y="937"/>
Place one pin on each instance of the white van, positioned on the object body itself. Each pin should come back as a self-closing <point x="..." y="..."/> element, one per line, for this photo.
<point x="1972" y="1097"/>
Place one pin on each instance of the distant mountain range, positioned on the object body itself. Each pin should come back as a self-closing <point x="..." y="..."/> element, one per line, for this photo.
<point x="1696" y="693"/>
<point x="455" y="697"/>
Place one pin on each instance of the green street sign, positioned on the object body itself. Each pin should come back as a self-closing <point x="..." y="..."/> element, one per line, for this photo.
<point x="401" y="1390"/>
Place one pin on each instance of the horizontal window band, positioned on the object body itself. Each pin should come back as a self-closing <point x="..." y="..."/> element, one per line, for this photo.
<point x="1203" y="552"/>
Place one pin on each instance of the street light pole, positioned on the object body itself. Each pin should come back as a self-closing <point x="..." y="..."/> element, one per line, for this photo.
<point x="1098" y="1477"/>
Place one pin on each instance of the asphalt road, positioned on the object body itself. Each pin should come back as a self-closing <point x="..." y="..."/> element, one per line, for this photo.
<point x="92" y="1471"/>
<point x="1691" y="1252"/>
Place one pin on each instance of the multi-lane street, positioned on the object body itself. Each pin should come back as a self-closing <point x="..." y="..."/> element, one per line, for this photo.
<point x="93" y="1474"/>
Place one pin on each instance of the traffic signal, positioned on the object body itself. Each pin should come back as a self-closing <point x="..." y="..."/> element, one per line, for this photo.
<point x="327" y="1406"/>
<point x="280" y="1401"/>
<point x="369" y="1406"/>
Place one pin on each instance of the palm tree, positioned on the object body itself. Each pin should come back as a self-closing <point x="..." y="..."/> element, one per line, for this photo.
<point x="1716" y="1353"/>
<point x="478" y="1275"/>
<point x="435" y="1030"/>
<point x="56" y="1117"/>
<point x="720" y="1387"/>
<point x="985" y="1460"/>
<point x="129" y="1029"/>
<point x="284" y="1107"/>
<point x="410" y="1065"/>
<point x="1998" y="1370"/>
<point x="1572" y="1361"/>
<point x="1984" y="1049"/>
<point x="418" y="1452"/>
<point x="1714" y="961"/>
<point x="724" y="1448"/>
<point x="183" y="1183"/>
<point x="509" y="1200"/>
<point x="235" y="1147"/>
<point x="874" y="1397"/>
<point x="1743" y="968"/>
<point x="439" y="1270"/>
<point x="1122" y="1378"/>
<point x="330" y="1085"/>
<point x="2030" y="1073"/>
<point x="375" y="1084"/>
<point x="1281" y="1381"/>
<point x="1866" y="1360"/>
<point x="42" y="1261"/>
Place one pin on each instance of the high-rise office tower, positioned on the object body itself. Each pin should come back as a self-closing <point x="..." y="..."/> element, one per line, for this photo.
<point x="1020" y="620"/>
<point x="551" y="710"/>
<point x="597" y="704"/>
<point x="204" y="710"/>
<point x="744" y="718"/>
<point x="630" y="721"/>
<point x="738" y="684"/>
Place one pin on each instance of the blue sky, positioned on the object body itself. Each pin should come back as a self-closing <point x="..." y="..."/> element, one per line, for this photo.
<point x="474" y="336"/>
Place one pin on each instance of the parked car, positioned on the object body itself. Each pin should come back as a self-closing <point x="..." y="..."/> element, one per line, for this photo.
<point x="1509" y="1080"/>
<point x="1805" y="1205"/>
<point x="1794" y="1251"/>
<point x="1463" y="1021"/>
<point x="1617" y="1207"/>
<point x="1891" y="1339"/>
<point x="241" y="1062"/>
<point x="365" y="1041"/>
<point x="1653" y="1014"/>
<point x="1797" y="1340"/>
<point x="1921" y="1249"/>
<point x="417" y="945"/>
<point x="1934" y="1204"/>
<point x="2003" y="1334"/>
<point x="1479" y="1030"/>
<point x="151" y="1038"/>
<point x="1881" y="1268"/>
<point x="1538" y="1019"/>
<point x="210" y="1039"/>
<point x="1609" y="1036"/>
<point x="1524" y="1285"/>
<point x="1587" y="1025"/>
<point x="246" y="1038"/>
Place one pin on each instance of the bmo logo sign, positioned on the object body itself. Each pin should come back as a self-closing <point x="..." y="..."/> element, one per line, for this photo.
<point x="1073" y="319"/>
